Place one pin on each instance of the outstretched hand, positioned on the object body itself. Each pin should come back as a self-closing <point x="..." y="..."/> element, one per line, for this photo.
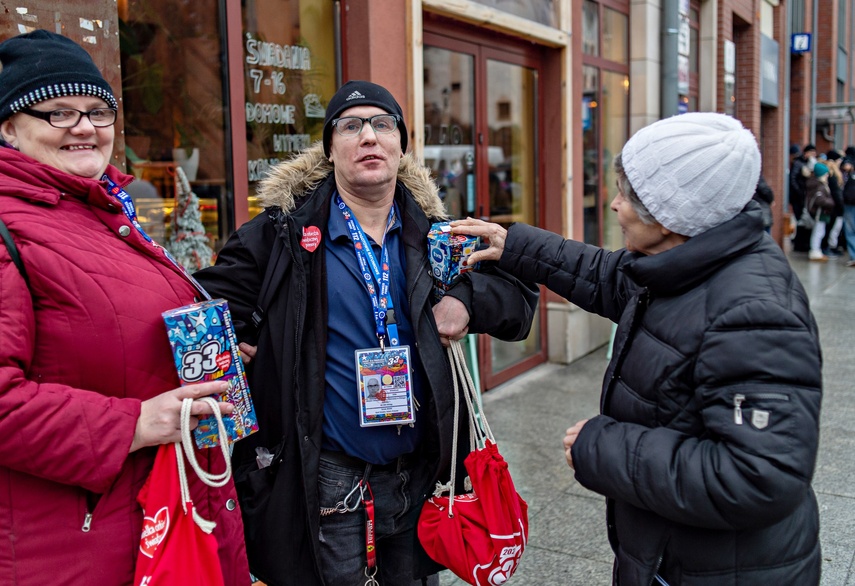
<point x="570" y="437"/>
<point x="491" y="234"/>
<point x="160" y="417"/>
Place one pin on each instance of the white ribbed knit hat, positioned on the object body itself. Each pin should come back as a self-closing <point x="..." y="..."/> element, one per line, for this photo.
<point x="693" y="171"/>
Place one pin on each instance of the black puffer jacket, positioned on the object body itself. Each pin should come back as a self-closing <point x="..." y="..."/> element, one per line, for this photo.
<point x="710" y="406"/>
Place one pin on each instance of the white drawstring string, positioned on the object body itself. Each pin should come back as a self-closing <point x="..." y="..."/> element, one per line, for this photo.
<point x="479" y="429"/>
<point x="185" y="447"/>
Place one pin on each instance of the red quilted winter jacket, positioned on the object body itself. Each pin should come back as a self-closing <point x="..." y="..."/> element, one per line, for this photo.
<point x="79" y="351"/>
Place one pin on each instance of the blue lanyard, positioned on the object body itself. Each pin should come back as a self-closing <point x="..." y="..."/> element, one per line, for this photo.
<point x="376" y="275"/>
<point x="131" y="213"/>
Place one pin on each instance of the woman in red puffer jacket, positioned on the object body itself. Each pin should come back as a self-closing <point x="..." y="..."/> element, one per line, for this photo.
<point x="87" y="382"/>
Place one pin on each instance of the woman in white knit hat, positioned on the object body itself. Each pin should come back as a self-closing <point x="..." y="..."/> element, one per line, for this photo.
<point x="706" y="442"/>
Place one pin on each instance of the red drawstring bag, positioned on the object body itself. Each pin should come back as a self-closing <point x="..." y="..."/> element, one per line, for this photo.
<point x="176" y="545"/>
<point x="480" y="535"/>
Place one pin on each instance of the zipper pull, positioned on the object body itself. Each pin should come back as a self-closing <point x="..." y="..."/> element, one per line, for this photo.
<point x="737" y="408"/>
<point x="87" y="523"/>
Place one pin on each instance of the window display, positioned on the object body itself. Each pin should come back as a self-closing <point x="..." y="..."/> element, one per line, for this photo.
<point x="289" y="75"/>
<point x="172" y="82"/>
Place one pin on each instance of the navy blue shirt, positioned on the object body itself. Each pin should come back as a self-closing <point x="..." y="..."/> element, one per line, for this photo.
<point x="351" y="327"/>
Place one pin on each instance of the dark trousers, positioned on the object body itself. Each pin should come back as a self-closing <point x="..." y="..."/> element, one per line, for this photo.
<point x="342" y="534"/>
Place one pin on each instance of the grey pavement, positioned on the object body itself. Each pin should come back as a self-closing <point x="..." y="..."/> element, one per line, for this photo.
<point x="567" y="537"/>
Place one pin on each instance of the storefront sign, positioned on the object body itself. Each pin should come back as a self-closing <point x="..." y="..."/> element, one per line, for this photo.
<point x="288" y="75"/>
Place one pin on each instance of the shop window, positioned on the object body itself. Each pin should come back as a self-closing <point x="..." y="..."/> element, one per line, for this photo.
<point x="590" y="28"/>
<point x="615" y="36"/>
<point x="605" y="115"/>
<point x="615" y="109"/>
<point x="591" y="153"/>
<point x="542" y="11"/>
<point x="689" y="56"/>
<point x="289" y="76"/>
<point x="172" y="85"/>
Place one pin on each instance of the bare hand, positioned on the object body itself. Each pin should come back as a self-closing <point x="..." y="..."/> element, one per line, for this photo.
<point x="247" y="352"/>
<point x="570" y="437"/>
<point x="452" y="319"/>
<point x="160" y="417"/>
<point x="491" y="234"/>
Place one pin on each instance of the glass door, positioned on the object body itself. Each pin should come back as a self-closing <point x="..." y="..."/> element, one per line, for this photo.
<point x="482" y="144"/>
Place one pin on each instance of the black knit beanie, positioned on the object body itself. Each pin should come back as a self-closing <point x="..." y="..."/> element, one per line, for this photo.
<point x="362" y="93"/>
<point x="41" y="65"/>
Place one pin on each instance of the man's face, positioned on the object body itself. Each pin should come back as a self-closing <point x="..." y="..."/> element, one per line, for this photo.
<point x="810" y="154"/>
<point x="365" y="163"/>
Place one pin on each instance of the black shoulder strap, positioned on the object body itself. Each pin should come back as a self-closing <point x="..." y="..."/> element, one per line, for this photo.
<point x="272" y="279"/>
<point x="13" y="251"/>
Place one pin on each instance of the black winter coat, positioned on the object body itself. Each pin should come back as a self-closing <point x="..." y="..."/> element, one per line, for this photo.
<point x="287" y="374"/>
<point x="707" y="440"/>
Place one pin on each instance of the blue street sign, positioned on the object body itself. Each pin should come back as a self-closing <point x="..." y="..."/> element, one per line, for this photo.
<point x="800" y="43"/>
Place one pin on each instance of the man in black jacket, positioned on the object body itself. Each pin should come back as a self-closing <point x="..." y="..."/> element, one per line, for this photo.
<point x="707" y="438"/>
<point x="351" y="382"/>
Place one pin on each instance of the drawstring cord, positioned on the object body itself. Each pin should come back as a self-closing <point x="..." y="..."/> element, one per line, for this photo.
<point x="479" y="429"/>
<point x="185" y="447"/>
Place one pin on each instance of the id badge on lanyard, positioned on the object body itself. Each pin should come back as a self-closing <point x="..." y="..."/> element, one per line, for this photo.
<point x="383" y="375"/>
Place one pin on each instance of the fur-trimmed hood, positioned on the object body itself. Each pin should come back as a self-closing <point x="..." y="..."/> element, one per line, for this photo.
<point x="295" y="178"/>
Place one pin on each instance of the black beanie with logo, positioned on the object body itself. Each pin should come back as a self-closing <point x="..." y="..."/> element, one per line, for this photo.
<point x="362" y="93"/>
<point x="42" y="65"/>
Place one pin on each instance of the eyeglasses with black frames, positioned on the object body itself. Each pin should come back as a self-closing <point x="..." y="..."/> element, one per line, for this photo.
<point x="69" y="117"/>
<point x="352" y="125"/>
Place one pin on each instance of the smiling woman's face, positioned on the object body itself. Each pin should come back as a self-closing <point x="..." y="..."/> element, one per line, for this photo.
<point x="83" y="150"/>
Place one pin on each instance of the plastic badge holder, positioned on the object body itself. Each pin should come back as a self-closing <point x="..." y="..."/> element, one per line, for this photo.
<point x="447" y="254"/>
<point x="205" y="348"/>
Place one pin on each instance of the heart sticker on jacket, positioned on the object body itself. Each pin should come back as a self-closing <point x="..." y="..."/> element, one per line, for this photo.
<point x="311" y="238"/>
<point x="154" y="529"/>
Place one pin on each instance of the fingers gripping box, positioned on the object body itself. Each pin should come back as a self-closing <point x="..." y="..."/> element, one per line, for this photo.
<point x="447" y="254"/>
<point x="205" y="348"/>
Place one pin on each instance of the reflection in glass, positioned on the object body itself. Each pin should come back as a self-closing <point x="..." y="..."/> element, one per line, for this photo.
<point x="449" y="113"/>
<point x="512" y="155"/>
<point x="615" y="112"/>
<point x="542" y="11"/>
<point x="590" y="153"/>
<point x="511" y="93"/>
<point x="615" y="36"/>
<point x="172" y="86"/>
<point x="590" y="28"/>
<point x="289" y="76"/>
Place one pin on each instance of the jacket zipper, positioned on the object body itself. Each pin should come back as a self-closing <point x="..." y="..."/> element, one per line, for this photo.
<point x="91" y="502"/>
<point x="656" y="577"/>
<point x="739" y="399"/>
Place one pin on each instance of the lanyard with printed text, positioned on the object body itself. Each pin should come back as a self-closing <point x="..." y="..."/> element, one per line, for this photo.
<point x="130" y="212"/>
<point x="376" y="274"/>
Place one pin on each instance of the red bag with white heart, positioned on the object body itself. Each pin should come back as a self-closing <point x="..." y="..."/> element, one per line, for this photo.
<point x="176" y="544"/>
<point x="479" y="535"/>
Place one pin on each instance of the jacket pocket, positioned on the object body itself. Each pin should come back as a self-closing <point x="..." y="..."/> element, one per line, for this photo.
<point x="756" y="409"/>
